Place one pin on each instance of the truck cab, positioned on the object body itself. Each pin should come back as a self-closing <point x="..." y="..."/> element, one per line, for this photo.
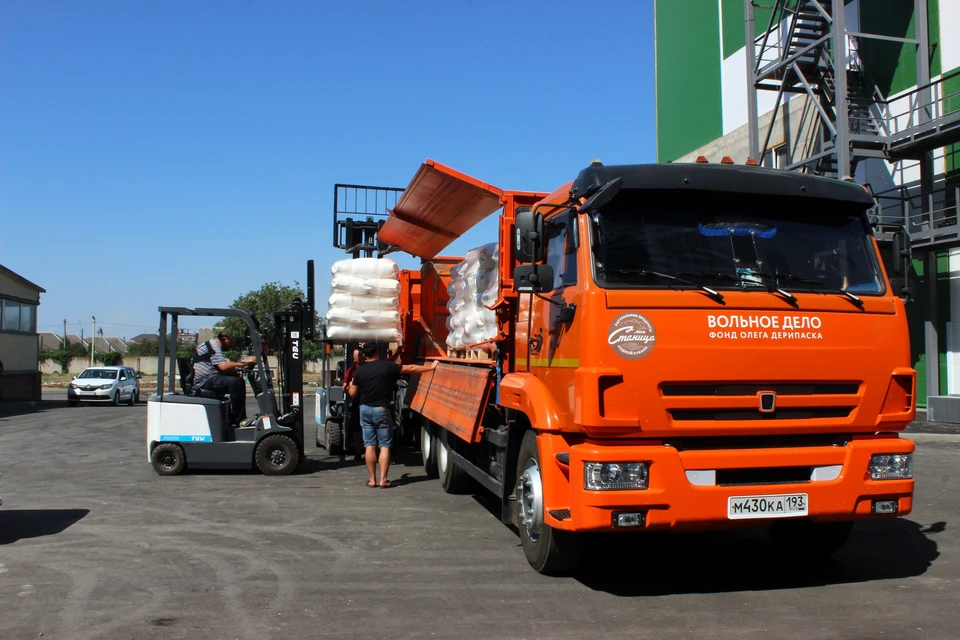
<point x="682" y="347"/>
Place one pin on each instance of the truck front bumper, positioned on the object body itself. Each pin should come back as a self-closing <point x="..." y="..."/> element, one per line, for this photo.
<point x="672" y="500"/>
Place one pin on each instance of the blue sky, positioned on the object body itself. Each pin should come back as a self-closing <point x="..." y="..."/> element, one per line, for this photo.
<point x="184" y="153"/>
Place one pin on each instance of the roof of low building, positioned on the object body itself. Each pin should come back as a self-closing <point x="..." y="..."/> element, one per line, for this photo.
<point x="21" y="279"/>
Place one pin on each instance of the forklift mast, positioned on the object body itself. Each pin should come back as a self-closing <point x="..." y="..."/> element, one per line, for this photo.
<point x="358" y="214"/>
<point x="294" y="325"/>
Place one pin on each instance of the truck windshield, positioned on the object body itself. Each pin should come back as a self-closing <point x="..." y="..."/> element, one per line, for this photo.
<point x="733" y="241"/>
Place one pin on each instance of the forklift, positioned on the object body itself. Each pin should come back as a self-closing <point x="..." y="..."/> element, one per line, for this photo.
<point x="359" y="211"/>
<point x="192" y="428"/>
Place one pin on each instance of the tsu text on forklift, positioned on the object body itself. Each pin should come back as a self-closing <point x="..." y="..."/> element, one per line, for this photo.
<point x="373" y="385"/>
<point x="212" y="371"/>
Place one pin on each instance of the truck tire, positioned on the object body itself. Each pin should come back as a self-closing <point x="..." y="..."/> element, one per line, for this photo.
<point x="168" y="459"/>
<point x="808" y="539"/>
<point x="548" y="550"/>
<point x="276" y="455"/>
<point x="452" y="477"/>
<point x="428" y="447"/>
<point x="334" y="437"/>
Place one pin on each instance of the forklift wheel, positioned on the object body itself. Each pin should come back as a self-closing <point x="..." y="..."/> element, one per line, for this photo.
<point x="168" y="459"/>
<point x="277" y="455"/>
<point x="334" y="438"/>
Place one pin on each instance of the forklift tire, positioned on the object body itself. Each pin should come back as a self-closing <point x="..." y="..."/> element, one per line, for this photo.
<point x="452" y="477"/>
<point x="276" y="455"/>
<point x="548" y="550"/>
<point x="334" y="438"/>
<point x="428" y="448"/>
<point x="168" y="459"/>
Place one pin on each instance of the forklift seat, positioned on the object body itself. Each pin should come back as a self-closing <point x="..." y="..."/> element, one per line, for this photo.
<point x="185" y="365"/>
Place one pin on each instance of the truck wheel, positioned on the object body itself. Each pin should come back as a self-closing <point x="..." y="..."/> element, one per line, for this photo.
<point x="452" y="477"/>
<point x="334" y="437"/>
<point x="168" y="459"/>
<point x="809" y="539"/>
<point x="276" y="455"/>
<point x="548" y="550"/>
<point x="428" y="446"/>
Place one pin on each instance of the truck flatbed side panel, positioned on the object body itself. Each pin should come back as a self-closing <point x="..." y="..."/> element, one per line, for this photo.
<point x="438" y="206"/>
<point x="453" y="396"/>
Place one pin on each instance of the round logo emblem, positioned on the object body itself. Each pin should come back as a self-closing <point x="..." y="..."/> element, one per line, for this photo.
<point x="632" y="336"/>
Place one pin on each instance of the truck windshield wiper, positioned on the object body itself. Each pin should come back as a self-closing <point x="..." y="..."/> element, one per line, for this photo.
<point x="711" y="293"/>
<point x="775" y="288"/>
<point x="823" y="287"/>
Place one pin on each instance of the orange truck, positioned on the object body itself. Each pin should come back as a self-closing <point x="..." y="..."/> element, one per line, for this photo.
<point x="680" y="347"/>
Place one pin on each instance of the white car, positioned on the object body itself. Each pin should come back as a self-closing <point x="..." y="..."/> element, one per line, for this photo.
<point x="105" y="384"/>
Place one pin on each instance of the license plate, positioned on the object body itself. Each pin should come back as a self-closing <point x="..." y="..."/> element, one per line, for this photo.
<point x="782" y="506"/>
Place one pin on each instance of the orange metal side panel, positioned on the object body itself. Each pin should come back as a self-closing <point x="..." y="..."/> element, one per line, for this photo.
<point x="410" y="311"/>
<point x="437" y="207"/>
<point x="432" y="327"/>
<point x="454" y="396"/>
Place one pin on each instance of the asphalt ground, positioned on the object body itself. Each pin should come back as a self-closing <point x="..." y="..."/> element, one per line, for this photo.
<point x="93" y="544"/>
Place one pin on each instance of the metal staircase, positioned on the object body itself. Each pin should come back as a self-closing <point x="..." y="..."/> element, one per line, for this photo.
<point x="797" y="55"/>
<point x="806" y="50"/>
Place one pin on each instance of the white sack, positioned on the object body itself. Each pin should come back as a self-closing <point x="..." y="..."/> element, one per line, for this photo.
<point x="364" y="302"/>
<point x="366" y="268"/>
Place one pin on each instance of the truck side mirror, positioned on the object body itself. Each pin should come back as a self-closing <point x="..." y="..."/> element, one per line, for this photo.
<point x="900" y="264"/>
<point x="902" y="252"/>
<point x="604" y="195"/>
<point x="533" y="278"/>
<point x="529" y="237"/>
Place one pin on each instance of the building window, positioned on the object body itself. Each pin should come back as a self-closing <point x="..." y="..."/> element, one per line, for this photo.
<point x="18" y="317"/>
<point x="776" y="157"/>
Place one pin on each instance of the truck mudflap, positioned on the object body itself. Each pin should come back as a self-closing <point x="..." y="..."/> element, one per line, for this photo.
<point x="729" y="488"/>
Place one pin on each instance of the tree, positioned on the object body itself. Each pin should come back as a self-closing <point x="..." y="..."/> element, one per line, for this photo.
<point x="262" y="304"/>
<point x="144" y="349"/>
<point x="63" y="356"/>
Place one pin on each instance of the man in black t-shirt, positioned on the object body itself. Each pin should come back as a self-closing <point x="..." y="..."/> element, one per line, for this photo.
<point x="373" y="385"/>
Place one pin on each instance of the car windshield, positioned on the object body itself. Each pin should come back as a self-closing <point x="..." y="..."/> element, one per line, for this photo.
<point x="651" y="239"/>
<point x="102" y="374"/>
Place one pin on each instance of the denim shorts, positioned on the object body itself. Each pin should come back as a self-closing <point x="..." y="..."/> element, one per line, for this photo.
<point x="377" y="425"/>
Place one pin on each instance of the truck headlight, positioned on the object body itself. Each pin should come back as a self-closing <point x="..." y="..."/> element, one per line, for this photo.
<point x="896" y="466"/>
<point x="601" y="476"/>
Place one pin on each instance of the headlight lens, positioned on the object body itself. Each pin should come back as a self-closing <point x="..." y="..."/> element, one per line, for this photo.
<point x="896" y="466"/>
<point x="602" y="476"/>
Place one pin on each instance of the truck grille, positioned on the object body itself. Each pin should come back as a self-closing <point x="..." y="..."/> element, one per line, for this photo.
<point x="772" y="475"/>
<point x="752" y="401"/>
<point x="792" y="441"/>
<point x="752" y="389"/>
<point x="747" y="414"/>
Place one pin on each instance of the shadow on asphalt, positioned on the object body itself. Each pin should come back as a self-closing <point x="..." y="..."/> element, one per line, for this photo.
<point x="9" y="409"/>
<point x="660" y="563"/>
<point x="633" y="565"/>
<point x="17" y="524"/>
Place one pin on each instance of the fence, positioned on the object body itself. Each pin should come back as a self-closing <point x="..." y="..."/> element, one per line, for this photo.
<point x="148" y="365"/>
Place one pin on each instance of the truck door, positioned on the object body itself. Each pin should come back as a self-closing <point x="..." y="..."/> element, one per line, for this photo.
<point x="559" y="351"/>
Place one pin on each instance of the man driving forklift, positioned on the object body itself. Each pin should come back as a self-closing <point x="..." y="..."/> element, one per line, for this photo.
<point x="212" y="371"/>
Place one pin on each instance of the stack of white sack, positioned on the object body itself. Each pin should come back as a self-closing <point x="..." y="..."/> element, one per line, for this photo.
<point x="364" y="305"/>
<point x="474" y="286"/>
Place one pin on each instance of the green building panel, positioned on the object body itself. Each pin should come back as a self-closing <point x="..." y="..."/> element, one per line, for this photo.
<point x="915" y="321"/>
<point x="688" y="76"/>
<point x="893" y="65"/>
